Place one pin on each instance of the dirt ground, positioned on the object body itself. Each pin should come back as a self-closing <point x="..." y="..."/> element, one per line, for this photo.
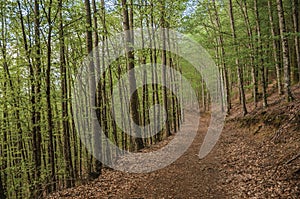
<point x="256" y="157"/>
<point x="188" y="177"/>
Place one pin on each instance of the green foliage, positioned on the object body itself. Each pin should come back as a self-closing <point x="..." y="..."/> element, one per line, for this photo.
<point x="17" y="163"/>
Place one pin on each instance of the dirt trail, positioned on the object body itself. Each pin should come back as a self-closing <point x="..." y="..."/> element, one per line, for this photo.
<point x="188" y="177"/>
<point x="245" y="163"/>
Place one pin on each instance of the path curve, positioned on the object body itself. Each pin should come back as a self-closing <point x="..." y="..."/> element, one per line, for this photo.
<point x="188" y="177"/>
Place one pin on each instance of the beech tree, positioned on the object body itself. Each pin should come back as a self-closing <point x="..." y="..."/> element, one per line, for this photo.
<point x="295" y="8"/>
<point x="134" y="103"/>
<point x="274" y="49"/>
<point x="43" y="46"/>
<point x="237" y="61"/>
<point x="285" y="51"/>
<point x="36" y="97"/>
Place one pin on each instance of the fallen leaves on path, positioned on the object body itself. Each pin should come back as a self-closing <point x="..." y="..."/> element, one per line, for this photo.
<point x="246" y="163"/>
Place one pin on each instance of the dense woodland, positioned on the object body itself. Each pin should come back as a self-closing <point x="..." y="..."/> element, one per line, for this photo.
<point x="255" y="45"/>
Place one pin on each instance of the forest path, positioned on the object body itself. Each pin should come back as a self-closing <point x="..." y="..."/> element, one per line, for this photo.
<point x="245" y="163"/>
<point x="187" y="177"/>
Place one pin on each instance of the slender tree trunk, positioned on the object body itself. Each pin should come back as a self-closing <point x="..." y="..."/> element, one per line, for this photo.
<point x="31" y="72"/>
<point x="237" y="61"/>
<point x="97" y="65"/>
<point x="134" y="104"/>
<point x="131" y="21"/>
<point x="164" y="65"/>
<point x="52" y="186"/>
<point x="131" y="28"/>
<point x="107" y="50"/>
<point x="133" y="143"/>
<point x="65" y="112"/>
<point x="4" y="148"/>
<point x="2" y="190"/>
<point x="275" y="46"/>
<point x="203" y="94"/>
<point x="224" y="68"/>
<point x="145" y="95"/>
<point x="295" y="6"/>
<point x="260" y="52"/>
<point x="244" y="7"/>
<point x="113" y="114"/>
<point x="285" y="52"/>
<point x="36" y="119"/>
<point x="156" y="97"/>
<point x="153" y="86"/>
<point x="122" y="98"/>
<point x="73" y="130"/>
<point x="177" y="80"/>
<point x="172" y="80"/>
<point x="3" y="173"/>
<point x="104" y="96"/>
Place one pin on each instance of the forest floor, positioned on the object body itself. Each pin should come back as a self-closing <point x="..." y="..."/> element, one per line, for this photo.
<point x="257" y="156"/>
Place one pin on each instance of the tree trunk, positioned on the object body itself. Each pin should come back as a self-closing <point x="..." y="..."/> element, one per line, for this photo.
<point x="36" y="115"/>
<point x="151" y="57"/>
<point x="251" y="48"/>
<point x="164" y="65"/>
<point x="224" y="68"/>
<point x="97" y="65"/>
<point x="64" y="96"/>
<point x="31" y="72"/>
<point x="134" y="104"/>
<point x="237" y="61"/>
<point x="3" y="149"/>
<point x="285" y="52"/>
<point x="275" y="52"/>
<point x="52" y="186"/>
<point x="103" y="93"/>
<point x="172" y="81"/>
<point x="156" y="97"/>
<point x="260" y="53"/>
<point x="145" y="95"/>
<point x="295" y="6"/>
<point x="2" y="191"/>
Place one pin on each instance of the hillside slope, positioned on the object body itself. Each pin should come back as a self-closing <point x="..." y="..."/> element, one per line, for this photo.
<point x="260" y="153"/>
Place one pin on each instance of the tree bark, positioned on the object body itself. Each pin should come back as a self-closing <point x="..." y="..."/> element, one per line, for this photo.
<point x="260" y="52"/>
<point x="275" y="52"/>
<point x="36" y="118"/>
<point x="97" y="138"/>
<point x="2" y="191"/>
<point x="4" y="148"/>
<point x="295" y="6"/>
<point x="164" y="65"/>
<point x="52" y="186"/>
<point x="285" y="52"/>
<point x="224" y="68"/>
<point x="145" y="91"/>
<point x="134" y="104"/>
<point x="103" y="93"/>
<point x="237" y="61"/>
<point x="244" y="7"/>
<point x="64" y="104"/>
<point x="156" y="97"/>
<point x="31" y="72"/>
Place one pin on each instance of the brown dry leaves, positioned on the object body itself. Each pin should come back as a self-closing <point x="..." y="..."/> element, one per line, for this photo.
<point x="246" y="163"/>
<point x="254" y="164"/>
